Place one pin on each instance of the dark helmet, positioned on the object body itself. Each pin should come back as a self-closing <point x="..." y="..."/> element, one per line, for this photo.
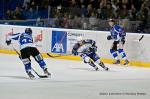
<point x="28" y="30"/>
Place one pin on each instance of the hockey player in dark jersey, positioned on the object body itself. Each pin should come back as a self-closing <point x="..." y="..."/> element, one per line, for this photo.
<point x="86" y="49"/>
<point x="117" y="34"/>
<point x="27" y="49"/>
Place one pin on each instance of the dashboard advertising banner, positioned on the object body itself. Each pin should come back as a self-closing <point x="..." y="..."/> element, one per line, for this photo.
<point x="59" y="42"/>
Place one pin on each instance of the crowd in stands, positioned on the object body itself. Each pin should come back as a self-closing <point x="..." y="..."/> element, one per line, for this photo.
<point x="64" y="10"/>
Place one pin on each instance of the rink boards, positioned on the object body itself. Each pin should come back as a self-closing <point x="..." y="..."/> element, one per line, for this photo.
<point x="61" y="41"/>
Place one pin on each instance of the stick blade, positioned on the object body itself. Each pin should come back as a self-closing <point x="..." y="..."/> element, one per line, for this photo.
<point x="53" y="56"/>
<point x="141" y="38"/>
<point x="43" y="76"/>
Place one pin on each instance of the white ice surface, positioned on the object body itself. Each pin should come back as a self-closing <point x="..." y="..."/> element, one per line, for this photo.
<point x="72" y="80"/>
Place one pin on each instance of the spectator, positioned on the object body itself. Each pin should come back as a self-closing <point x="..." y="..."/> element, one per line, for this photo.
<point x="17" y="14"/>
<point x="82" y="2"/>
<point x="123" y="12"/>
<point x="102" y="10"/>
<point x="143" y="13"/>
<point x="26" y="4"/>
<point x="89" y="10"/>
<point x="74" y="8"/>
<point x="65" y="22"/>
<point x="114" y="6"/>
<point x="45" y="4"/>
<point x="83" y="11"/>
<point x="77" y="22"/>
<point x="9" y="15"/>
<point x="65" y="3"/>
<point x="143" y="16"/>
<point x="109" y="11"/>
<point x="33" y="4"/>
<point x="93" y="21"/>
<point x="132" y="13"/>
<point x="30" y="14"/>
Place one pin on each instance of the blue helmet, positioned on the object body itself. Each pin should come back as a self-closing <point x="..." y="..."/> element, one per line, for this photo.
<point x="28" y="30"/>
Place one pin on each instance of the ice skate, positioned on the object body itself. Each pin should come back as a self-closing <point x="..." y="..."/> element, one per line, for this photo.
<point x="96" y="68"/>
<point x="126" y="62"/>
<point x="31" y="76"/>
<point x="106" y="68"/>
<point x="103" y="66"/>
<point x="91" y="63"/>
<point x="117" y="62"/>
<point x="46" y="72"/>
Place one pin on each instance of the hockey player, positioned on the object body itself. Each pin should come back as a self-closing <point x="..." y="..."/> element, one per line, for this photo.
<point x="87" y="52"/>
<point x="117" y="34"/>
<point x="27" y="49"/>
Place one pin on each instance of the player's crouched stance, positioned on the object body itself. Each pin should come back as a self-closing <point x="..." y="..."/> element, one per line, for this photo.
<point x="87" y="52"/>
<point x="27" y="49"/>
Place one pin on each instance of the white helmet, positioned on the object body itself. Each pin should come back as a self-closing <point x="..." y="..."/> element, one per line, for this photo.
<point x="79" y="38"/>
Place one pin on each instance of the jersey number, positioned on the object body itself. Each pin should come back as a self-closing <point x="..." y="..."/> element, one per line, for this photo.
<point x="26" y="40"/>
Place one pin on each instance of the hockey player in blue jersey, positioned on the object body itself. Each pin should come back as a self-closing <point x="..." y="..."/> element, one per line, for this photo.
<point x="27" y="49"/>
<point x="86" y="49"/>
<point x="117" y="34"/>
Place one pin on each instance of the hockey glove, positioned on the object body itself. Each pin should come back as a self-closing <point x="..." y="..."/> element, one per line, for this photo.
<point x="123" y="40"/>
<point x="8" y="42"/>
<point x="93" y="43"/>
<point x="93" y="49"/>
<point x="109" y="37"/>
<point x="74" y="52"/>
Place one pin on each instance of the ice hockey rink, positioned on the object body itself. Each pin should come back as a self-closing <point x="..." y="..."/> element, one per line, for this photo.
<point x="72" y="80"/>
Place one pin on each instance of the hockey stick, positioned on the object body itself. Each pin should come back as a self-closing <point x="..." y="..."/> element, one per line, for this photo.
<point x="58" y="55"/>
<point x="141" y="38"/>
<point x="41" y="76"/>
<point x="137" y="40"/>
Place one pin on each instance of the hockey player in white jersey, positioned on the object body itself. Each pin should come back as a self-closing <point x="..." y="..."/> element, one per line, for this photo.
<point x="117" y="34"/>
<point x="27" y="49"/>
<point x="86" y="49"/>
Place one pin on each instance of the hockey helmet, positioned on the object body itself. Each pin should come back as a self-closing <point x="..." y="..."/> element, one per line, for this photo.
<point x="28" y="30"/>
<point x="79" y="38"/>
